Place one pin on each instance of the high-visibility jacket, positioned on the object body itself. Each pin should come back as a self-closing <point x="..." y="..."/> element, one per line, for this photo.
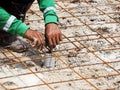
<point x="11" y="24"/>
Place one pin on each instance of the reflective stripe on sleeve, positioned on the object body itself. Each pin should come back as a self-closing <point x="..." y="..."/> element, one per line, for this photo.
<point x="9" y="23"/>
<point x="48" y="9"/>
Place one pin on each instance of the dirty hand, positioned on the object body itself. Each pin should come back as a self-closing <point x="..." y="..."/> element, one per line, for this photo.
<point x="53" y="35"/>
<point x="36" y="38"/>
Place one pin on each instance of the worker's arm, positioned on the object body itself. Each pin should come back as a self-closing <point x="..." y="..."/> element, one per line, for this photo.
<point x="10" y="24"/>
<point x="48" y="9"/>
<point x="52" y="31"/>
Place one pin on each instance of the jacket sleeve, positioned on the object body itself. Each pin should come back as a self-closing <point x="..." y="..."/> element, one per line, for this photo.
<point x="10" y="24"/>
<point x="48" y="9"/>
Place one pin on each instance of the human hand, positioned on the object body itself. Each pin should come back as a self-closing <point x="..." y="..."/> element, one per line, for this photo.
<point x="36" y="38"/>
<point x="53" y="35"/>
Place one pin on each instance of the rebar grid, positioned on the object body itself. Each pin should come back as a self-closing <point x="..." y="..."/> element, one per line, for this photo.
<point x="87" y="58"/>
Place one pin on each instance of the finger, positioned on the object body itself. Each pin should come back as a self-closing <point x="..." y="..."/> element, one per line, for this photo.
<point x="40" y="47"/>
<point x="49" y="41"/>
<point x="35" y="42"/>
<point x="41" y="41"/>
<point x="38" y="44"/>
<point x="57" y="40"/>
<point x="54" y="41"/>
<point x="54" y="46"/>
<point x="50" y="44"/>
<point x="60" y="37"/>
<point x="51" y="49"/>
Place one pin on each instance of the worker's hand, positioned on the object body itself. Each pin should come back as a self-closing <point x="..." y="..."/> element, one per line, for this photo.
<point x="53" y="35"/>
<point x="36" y="38"/>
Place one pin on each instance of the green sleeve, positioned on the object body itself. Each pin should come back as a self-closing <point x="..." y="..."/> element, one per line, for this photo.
<point x="10" y="24"/>
<point x="50" y="16"/>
